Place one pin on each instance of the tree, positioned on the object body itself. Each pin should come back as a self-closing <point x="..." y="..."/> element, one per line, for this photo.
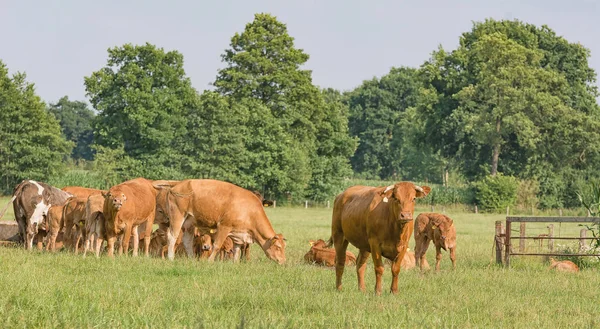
<point x="76" y="124"/>
<point x="513" y="98"/>
<point x="264" y="67"/>
<point x="379" y="118"/>
<point x="31" y="144"/>
<point x="142" y="97"/>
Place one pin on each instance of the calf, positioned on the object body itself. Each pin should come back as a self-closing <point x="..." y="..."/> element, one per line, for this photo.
<point x="563" y="265"/>
<point x="94" y="224"/>
<point x="227" y="249"/>
<point x="439" y="229"/>
<point x="55" y="224"/>
<point x="320" y="254"/>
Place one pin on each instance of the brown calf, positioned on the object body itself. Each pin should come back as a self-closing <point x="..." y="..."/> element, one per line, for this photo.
<point x="563" y="265"/>
<point x="439" y="229"/>
<point x="321" y="255"/>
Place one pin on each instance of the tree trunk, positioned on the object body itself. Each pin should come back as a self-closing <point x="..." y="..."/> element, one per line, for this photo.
<point x="496" y="154"/>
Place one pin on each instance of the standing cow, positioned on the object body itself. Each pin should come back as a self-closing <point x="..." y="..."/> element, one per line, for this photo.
<point x="438" y="228"/>
<point x="126" y="206"/>
<point x="378" y="221"/>
<point x="229" y="209"/>
<point x="31" y="201"/>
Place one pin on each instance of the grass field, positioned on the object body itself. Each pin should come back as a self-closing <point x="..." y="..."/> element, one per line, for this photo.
<point x="67" y="291"/>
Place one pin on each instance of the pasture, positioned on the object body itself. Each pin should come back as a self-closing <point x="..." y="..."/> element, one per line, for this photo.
<point x="40" y="289"/>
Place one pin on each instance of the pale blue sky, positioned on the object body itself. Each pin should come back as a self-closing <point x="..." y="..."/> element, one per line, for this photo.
<point x="57" y="43"/>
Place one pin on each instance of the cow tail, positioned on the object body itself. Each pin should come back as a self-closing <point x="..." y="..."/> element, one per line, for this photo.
<point x="6" y="207"/>
<point x="16" y="192"/>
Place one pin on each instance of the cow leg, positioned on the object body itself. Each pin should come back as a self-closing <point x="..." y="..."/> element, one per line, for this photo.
<point x="453" y="257"/>
<point x="52" y="240"/>
<point x="379" y="268"/>
<point x="420" y="250"/>
<point x="396" y="267"/>
<point x="99" y="241"/>
<point x="219" y="239"/>
<point x="126" y="238"/>
<point x="246" y="251"/>
<point x="88" y="242"/>
<point x="237" y="251"/>
<point x="438" y="258"/>
<point x="341" y="244"/>
<point x="148" y="236"/>
<point x="136" y="240"/>
<point x="110" y="245"/>
<point x="188" y="240"/>
<point x="361" y="265"/>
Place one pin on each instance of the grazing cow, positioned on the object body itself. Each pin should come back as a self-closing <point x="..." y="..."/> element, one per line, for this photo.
<point x="439" y="229"/>
<point x="94" y="223"/>
<point x="31" y="201"/>
<point x="378" y="221"/>
<point x="126" y="206"/>
<point x="229" y="209"/>
<point x="321" y="255"/>
<point x="563" y="265"/>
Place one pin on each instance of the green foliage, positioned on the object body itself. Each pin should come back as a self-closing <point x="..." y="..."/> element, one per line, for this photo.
<point x="296" y="141"/>
<point x="590" y="199"/>
<point x="515" y="91"/>
<point x="527" y="193"/>
<point x="31" y="144"/>
<point x="495" y="193"/>
<point x="143" y="97"/>
<point x="76" y="124"/>
<point x="85" y="178"/>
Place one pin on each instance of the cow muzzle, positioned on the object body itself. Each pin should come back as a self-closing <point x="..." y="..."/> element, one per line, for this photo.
<point x="206" y="247"/>
<point x="406" y="216"/>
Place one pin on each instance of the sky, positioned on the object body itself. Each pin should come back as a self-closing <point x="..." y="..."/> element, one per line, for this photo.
<point x="58" y="43"/>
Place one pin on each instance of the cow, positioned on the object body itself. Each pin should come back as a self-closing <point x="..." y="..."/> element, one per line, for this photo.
<point x="377" y="221"/>
<point x="229" y="209"/>
<point x="82" y="194"/>
<point x="321" y="255"/>
<point x="94" y="223"/>
<point x="31" y="201"/>
<point x="54" y="224"/>
<point x="203" y="246"/>
<point x="563" y="265"/>
<point x="126" y="206"/>
<point x="439" y="229"/>
<point x="74" y="216"/>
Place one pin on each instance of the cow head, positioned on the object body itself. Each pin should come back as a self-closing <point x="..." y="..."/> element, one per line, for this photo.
<point x="402" y="198"/>
<point x="275" y="248"/>
<point x="444" y="232"/>
<point x="115" y="198"/>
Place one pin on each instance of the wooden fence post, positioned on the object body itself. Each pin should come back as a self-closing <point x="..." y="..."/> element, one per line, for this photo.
<point x="327" y="203"/>
<point x="498" y="241"/>
<point x="507" y="244"/>
<point x="507" y="210"/>
<point x="274" y="203"/>
<point x="582" y="236"/>
<point x="550" y="235"/>
<point x="560" y="212"/>
<point x="522" y="237"/>
<point x="306" y="204"/>
<point x="476" y="208"/>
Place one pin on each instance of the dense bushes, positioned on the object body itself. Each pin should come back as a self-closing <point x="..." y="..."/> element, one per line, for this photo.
<point x="495" y="193"/>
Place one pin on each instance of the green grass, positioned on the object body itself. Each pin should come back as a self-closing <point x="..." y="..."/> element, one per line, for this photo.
<point x="67" y="291"/>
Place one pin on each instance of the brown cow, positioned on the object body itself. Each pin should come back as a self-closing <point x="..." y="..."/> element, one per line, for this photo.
<point x="81" y="192"/>
<point x="321" y="255"/>
<point x="439" y="229"/>
<point x="74" y="216"/>
<point x="55" y="224"/>
<point x="126" y="206"/>
<point x="231" y="210"/>
<point x="376" y="220"/>
<point x="94" y="224"/>
<point x="31" y="201"/>
<point x="203" y="247"/>
<point x="563" y="265"/>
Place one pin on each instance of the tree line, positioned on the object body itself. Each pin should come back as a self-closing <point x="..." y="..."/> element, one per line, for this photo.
<point x="513" y="100"/>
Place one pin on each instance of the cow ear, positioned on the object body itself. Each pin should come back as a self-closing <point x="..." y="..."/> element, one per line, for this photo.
<point x="387" y="193"/>
<point x="422" y="191"/>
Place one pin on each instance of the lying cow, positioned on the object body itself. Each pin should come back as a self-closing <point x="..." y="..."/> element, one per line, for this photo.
<point x="563" y="265"/>
<point x="321" y="255"/>
<point x="204" y="245"/>
<point x="229" y="209"/>
<point x="439" y="229"/>
<point x="377" y="221"/>
<point x="31" y="202"/>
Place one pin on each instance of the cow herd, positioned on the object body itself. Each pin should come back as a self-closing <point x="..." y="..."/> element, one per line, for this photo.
<point x="213" y="219"/>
